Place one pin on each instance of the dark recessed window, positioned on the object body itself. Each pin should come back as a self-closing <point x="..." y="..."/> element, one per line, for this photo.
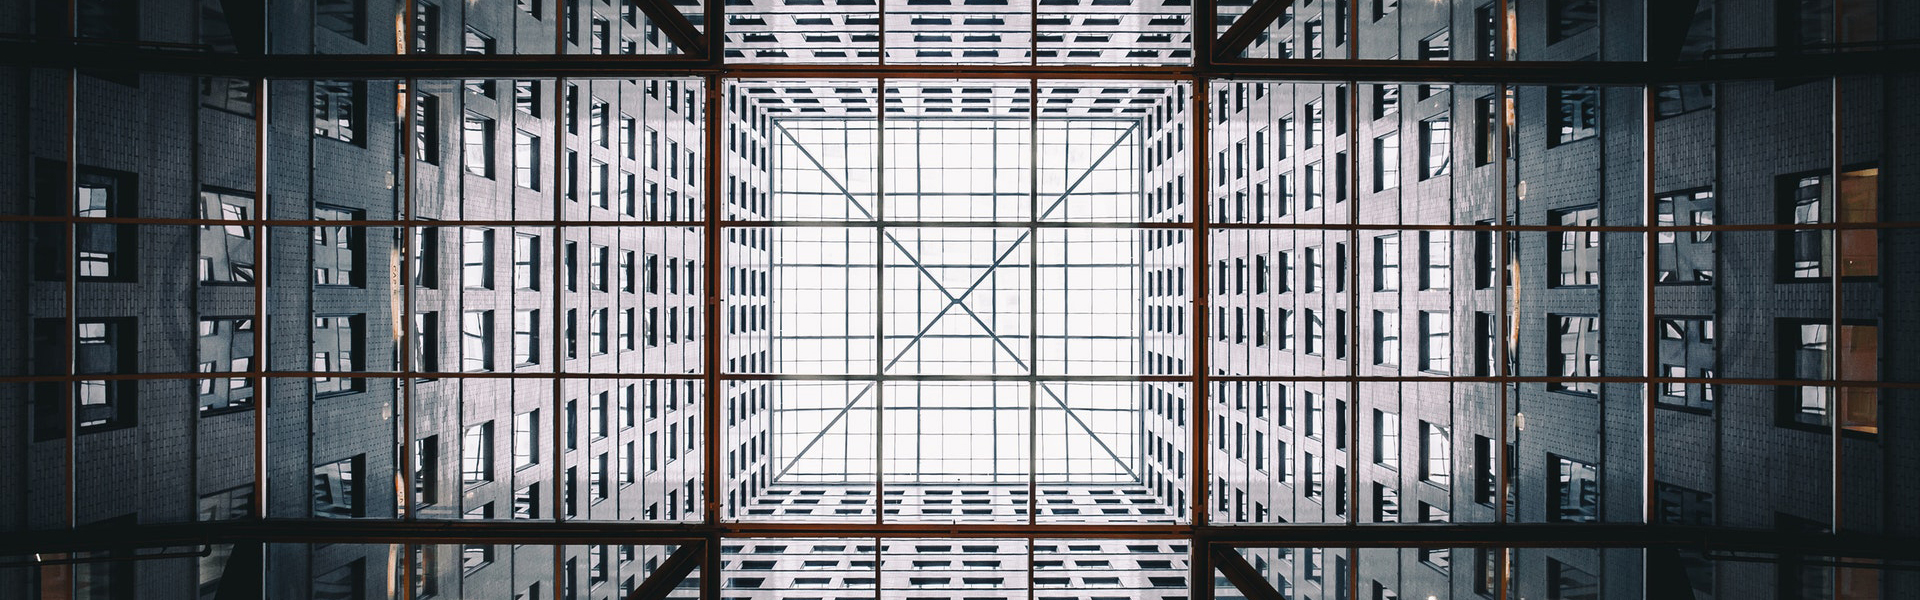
<point x="345" y="17"/>
<point x="1573" y="113"/>
<point x="339" y="251"/>
<point x="340" y="110"/>
<point x="1567" y="18"/>
<point x="1573" y="350"/>
<point x="339" y="491"/>
<point x="339" y="346"/>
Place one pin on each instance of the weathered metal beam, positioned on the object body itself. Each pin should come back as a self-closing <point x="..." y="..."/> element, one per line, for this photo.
<point x="134" y="57"/>
<point x="1242" y="575"/>
<point x="1449" y="535"/>
<point x="1247" y="28"/>
<point x="671" y="573"/>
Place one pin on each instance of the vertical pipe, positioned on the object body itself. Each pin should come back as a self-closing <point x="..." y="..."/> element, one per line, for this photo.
<point x="1351" y="495"/>
<point x="1201" y="566"/>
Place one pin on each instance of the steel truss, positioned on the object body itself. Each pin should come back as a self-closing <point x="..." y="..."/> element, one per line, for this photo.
<point x="1210" y="544"/>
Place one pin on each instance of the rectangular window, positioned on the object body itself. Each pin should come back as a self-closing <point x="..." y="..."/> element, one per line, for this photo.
<point x="426" y="342"/>
<point x="1436" y="454"/>
<point x="1575" y="260"/>
<point x="526" y="439"/>
<point x="1436" y="143"/>
<point x="345" y="17"/>
<point x="597" y="191"/>
<point x="1436" y="341"/>
<point x="597" y="265"/>
<point x="1573" y="113"/>
<point x="1486" y="32"/>
<point x="526" y="337"/>
<point x="1574" y="351"/>
<point x="1485" y="481"/>
<point x="1386" y="439"/>
<point x="1316" y="332"/>
<point x="1567" y="18"/>
<point x="1386" y="164"/>
<point x="477" y="143"/>
<point x="526" y="160"/>
<point x="426" y="470"/>
<point x="598" y="121"/>
<point x="225" y="346"/>
<point x="426" y="127"/>
<point x="526" y="261"/>
<point x="1316" y="125"/>
<point x="476" y="341"/>
<point x="476" y="257"/>
<point x="526" y="96"/>
<point x="1687" y="349"/>
<point x="1576" y="491"/>
<point x="1486" y="130"/>
<point x="337" y="251"/>
<point x="1386" y="263"/>
<point x="337" y="489"/>
<point x="338" y="347"/>
<point x="476" y="454"/>
<point x="1386" y="100"/>
<point x="226" y="251"/>
<point x="1436" y="260"/>
<point x="1568" y="583"/>
<point x="1686" y="257"/>
<point x="1386" y="337"/>
<point x="526" y="504"/>
<point x="339" y="110"/>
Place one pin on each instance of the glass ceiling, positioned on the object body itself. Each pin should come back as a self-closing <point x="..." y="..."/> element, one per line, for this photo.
<point x="923" y="298"/>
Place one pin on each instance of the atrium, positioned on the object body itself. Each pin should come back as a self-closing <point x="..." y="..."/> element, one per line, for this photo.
<point x="971" y="299"/>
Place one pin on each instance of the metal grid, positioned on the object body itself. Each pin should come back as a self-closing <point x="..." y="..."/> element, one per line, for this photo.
<point x="1198" y="227"/>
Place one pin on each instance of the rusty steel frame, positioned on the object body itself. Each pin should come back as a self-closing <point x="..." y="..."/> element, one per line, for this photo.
<point x="1211" y="545"/>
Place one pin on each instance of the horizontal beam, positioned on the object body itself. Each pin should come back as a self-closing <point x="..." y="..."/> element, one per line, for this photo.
<point x="1424" y="535"/>
<point x="67" y="54"/>
<point x="1723" y="381"/>
<point x="956" y="224"/>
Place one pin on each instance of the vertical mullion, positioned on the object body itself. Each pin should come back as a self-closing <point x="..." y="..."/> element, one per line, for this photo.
<point x="71" y="322"/>
<point x="880" y="302"/>
<point x="1835" y="401"/>
<point x="1649" y="305"/>
<point x="1033" y="291"/>
<point x="1033" y="302"/>
<point x="409" y="98"/>
<point x="1351" y="496"/>
<point x="257" y="367"/>
<point x="1200" y="567"/>
<point x="712" y="351"/>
